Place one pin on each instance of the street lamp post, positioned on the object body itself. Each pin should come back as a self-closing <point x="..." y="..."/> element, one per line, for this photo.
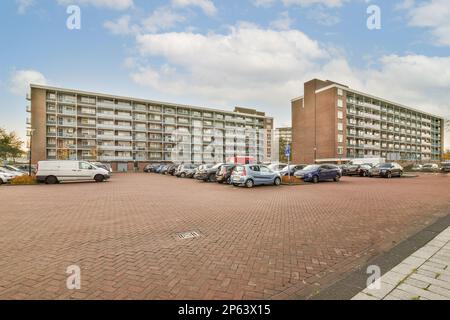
<point x="29" y="155"/>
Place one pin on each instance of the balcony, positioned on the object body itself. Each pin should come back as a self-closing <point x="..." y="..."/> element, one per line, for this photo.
<point x="123" y="138"/>
<point x="109" y="105"/>
<point x="123" y="107"/>
<point x="106" y="137"/>
<point x="105" y="115"/>
<point x="123" y="117"/>
<point x="67" y="124"/>
<point x="86" y="136"/>
<point x="106" y="147"/>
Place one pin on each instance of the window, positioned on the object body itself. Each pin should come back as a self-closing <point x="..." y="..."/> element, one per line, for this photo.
<point x="340" y="126"/>
<point x="85" y="166"/>
<point x="340" y="115"/>
<point x="340" y="103"/>
<point x="340" y="138"/>
<point x="340" y="92"/>
<point x="265" y="170"/>
<point x="340" y="150"/>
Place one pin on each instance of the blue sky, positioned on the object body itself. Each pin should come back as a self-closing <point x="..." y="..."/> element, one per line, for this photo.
<point x="254" y="53"/>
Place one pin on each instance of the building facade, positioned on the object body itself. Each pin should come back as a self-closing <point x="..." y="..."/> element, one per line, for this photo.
<point x="332" y="122"/>
<point x="284" y="133"/>
<point x="127" y="132"/>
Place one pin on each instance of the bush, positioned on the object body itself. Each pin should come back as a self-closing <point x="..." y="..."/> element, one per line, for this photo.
<point x="24" y="180"/>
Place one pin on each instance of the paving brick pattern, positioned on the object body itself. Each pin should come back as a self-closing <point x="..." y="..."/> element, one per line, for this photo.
<point x="425" y="275"/>
<point x="264" y="243"/>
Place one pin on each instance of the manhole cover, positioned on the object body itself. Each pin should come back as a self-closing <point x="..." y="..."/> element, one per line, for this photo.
<point x="187" y="235"/>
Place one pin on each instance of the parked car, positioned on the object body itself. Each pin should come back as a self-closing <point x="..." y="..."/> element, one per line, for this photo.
<point x="5" y="177"/>
<point x="13" y="173"/>
<point x="292" y="169"/>
<point x="26" y="168"/>
<point x="362" y="170"/>
<point x="445" y="167"/>
<point x="417" y="167"/>
<point x="430" y="167"/>
<point x="186" y="170"/>
<point x="15" y="169"/>
<point x="52" y="172"/>
<point x="207" y="172"/>
<point x="172" y="168"/>
<point x="164" y="169"/>
<point x="105" y="166"/>
<point x="387" y="170"/>
<point x="320" y="172"/>
<point x="151" y="167"/>
<point x="224" y="172"/>
<point x="158" y="168"/>
<point x="254" y="175"/>
<point x="277" y="166"/>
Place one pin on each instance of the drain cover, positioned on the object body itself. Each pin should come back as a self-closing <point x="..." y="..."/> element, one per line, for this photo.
<point x="188" y="235"/>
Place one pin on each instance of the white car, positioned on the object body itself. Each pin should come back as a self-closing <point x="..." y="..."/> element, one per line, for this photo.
<point x="5" y="177"/>
<point x="51" y="172"/>
<point x="13" y="173"/>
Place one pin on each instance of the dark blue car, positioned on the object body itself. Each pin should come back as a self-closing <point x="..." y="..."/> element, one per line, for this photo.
<point x="315" y="173"/>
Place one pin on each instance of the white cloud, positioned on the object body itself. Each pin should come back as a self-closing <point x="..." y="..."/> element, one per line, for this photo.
<point x="110" y="4"/>
<point x="304" y="3"/>
<point x="23" y="5"/>
<point x="263" y="3"/>
<point x="162" y="19"/>
<point x="265" y="68"/>
<point x="121" y="26"/>
<point x="20" y="81"/>
<point x="207" y="6"/>
<point x="283" y="22"/>
<point x="433" y="15"/>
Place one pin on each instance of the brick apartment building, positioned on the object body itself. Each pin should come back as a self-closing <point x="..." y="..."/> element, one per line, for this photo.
<point x="334" y="123"/>
<point x="129" y="132"/>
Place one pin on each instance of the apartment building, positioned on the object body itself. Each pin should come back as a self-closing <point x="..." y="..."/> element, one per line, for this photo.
<point x="284" y="133"/>
<point x="332" y="123"/>
<point x="126" y="132"/>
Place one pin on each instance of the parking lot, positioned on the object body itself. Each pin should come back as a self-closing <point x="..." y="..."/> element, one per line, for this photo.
<point x="270" y="242"/>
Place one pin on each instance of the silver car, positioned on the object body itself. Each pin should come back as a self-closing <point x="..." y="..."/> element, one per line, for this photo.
<point x="254" y="175"/>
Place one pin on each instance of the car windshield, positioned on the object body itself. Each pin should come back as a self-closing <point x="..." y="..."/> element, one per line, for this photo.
<point x="385" y="165"/>
<point x="217" y="166"/>
<point x="311" y="167"/>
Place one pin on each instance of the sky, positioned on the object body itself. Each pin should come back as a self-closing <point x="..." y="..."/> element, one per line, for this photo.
<point x="222" y="54"/>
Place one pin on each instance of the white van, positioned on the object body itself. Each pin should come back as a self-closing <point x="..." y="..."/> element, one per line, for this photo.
<point x="52" y="172"/>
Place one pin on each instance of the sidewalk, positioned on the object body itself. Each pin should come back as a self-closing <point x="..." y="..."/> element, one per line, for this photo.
<point x="425" y="275"/>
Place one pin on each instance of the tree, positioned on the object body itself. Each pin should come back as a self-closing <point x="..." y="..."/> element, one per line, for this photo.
<point x="283" y="143"/>
<point x="446" y="155"/>
<point x="10" y="145"/>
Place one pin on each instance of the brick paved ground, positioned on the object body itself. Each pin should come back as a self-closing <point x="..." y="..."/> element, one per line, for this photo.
<point x="425" y="275"/>
<point x="267" y="242"/>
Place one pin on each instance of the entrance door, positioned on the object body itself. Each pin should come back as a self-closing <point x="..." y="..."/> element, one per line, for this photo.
<point x="122" y="167"/>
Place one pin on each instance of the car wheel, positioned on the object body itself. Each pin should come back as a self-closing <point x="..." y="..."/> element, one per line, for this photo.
<point x="401" y="174"/>
<point x="315" y="179"/>
<point x="183" y="175"/>
<point x="99" y="178"/>
<point x="51" y="180"/>
<point x="389" y="175"/>
<point x="249" y="183"/>
<point x="364" y="174"/>
<point x="228" y="180"/>
<point x="337" y="178"/>
<point x="277" y="181"/>
<point x="1" y="182"/>
<point x="212" y="178"/>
